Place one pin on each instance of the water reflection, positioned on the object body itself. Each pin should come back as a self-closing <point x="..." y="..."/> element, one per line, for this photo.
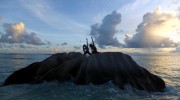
<point x="12" y="62"/>
<point x="163" y="65"/>
<point x="18" y="61"/>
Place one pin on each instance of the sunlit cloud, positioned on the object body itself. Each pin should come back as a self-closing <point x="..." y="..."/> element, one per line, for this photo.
<point x="158" y="29"/>
<point x="16" y="33"/>
<point x="179" y="12"/>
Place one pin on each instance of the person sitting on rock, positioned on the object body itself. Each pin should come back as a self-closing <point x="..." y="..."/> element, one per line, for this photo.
<point x="93" y="47"/>
<point x="86" y="49"/>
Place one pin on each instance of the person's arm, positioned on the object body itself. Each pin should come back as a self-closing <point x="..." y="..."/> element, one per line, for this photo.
<point x="92" y="41"/>
<point x="87" y="41"/>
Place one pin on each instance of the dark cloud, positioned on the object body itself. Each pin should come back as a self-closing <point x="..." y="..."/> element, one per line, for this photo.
<point x="65" y="43"/>
<point x="155" y="31"/>
<point x="48" y="43"/>
<point x="16" y="33"/>
<point x="77" y="47"/>
<point x="104" y="33"/>
<point x="16" y="45"/>
<point x="1" y="46"/>
<point x="22" y="46"/>
<point x="5" y="45"/>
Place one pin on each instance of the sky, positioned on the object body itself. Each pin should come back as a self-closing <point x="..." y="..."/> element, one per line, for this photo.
<point x="36" y="26"/>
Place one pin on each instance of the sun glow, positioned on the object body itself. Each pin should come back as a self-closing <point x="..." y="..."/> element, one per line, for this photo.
<point x="169" y="29"/>
<point x="175" y="37"/>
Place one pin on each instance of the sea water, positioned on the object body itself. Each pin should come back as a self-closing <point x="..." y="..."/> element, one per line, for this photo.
<point x="165" y="65"/>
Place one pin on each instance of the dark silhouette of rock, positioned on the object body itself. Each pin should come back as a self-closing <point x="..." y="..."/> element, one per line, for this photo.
<point x="50" y="63"/>
<point x="119" y="68"/>
<point x="24" y="75"/>
<point x="97" y="69"/>
<point x="66" y="70"/>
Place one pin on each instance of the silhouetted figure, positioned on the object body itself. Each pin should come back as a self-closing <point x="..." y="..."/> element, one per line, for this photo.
<point x="93" y="47"/>
<point x="86" y="48"/>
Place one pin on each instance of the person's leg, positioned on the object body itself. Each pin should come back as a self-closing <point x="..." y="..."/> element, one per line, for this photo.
<point x="89" y="53"/>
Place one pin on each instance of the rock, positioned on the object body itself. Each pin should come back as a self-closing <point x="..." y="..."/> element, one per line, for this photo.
<point x="98" y="68"/>
<point x="119" y="68"/>
<point x="54" y="61"/>
<point x="67" y="69"/>
<point x="50" y="63"/>
<point x="24" y="75"/>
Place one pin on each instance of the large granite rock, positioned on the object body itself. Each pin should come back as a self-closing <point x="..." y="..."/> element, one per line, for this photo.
<point x="119" y="68"/>
<point x="98" y="68"/>
<point x="24" y="75"/>
<point x="50" y="63"/>
<point x="64" y="71"/>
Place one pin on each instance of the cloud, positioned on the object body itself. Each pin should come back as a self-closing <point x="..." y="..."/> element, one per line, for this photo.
<point x="105" y="32"/>
<point x="179" y="12"/>
<point x="48" y="42"/>
<point x="16" y="33"/>
<point x="65" y="43"/>
<point x="77" y="47"/>
<point x="177" y="49"/>
<point x="22" y="46"/>
<point x="158" y="29"/>
<point x="2" y="45"/>
<point x="1" y="19"/>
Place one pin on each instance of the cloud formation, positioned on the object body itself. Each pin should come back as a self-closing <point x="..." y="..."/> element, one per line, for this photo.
<point x="179" y="12"/>
<point x="104" y="33"/>
<point x="65" y="43"/>
<point x="1" y="19"/>
<point x="16" y="33"/>
<point x="77" y="47"/>
<point x="158" y="29"/>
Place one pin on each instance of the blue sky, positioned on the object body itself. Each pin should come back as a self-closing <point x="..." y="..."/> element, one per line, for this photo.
<point x="60" y="21"/>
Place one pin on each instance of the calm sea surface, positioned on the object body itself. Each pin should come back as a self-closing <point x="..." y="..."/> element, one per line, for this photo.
<point x="166" y="65"/>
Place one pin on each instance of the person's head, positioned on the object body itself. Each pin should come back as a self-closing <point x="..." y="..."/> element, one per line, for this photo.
<point x="84" y="46"/>
<point x="91" y="45"/>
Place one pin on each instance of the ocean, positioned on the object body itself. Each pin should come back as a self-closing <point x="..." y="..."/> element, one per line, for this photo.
<point x="165" y="65"/>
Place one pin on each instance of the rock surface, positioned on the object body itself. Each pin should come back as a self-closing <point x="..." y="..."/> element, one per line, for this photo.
<point x="119" y="68"/>
<point x="99" y="68"/>
<point x="24" y="75"/>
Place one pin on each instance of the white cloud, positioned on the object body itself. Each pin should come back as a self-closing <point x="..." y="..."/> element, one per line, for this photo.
<point x="157" y="29"/>
<point x="179" y="12"/>
<point x="132" y="12"/>
<point x="16" y="33"/>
